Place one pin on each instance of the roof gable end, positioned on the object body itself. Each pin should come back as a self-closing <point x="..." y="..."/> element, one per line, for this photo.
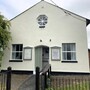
<point x="65" y="11"/>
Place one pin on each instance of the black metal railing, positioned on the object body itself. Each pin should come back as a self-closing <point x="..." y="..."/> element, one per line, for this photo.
<point x="5" y="79"/>
<point x="42" y="77"/>
<point x="43" y="80"/>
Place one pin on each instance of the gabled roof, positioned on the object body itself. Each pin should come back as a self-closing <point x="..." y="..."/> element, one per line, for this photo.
<point x="66" y="11"/>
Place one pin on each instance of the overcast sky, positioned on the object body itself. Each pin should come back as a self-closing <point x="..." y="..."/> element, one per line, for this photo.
<point x="11" y="8"/>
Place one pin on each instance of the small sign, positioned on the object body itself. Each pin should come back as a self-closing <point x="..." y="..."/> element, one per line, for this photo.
<point x="55" y="53"/>
<point x="27" y="53"/>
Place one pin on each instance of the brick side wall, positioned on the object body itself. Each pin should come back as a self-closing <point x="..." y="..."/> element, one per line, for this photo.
<point x="89" y="56"/>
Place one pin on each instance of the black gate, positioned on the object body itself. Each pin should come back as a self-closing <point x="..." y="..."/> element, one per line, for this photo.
<point x="5" y="80"/>
<point x="43" y="77"/>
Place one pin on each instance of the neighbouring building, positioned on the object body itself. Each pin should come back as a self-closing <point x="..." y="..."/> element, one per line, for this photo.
<point x="89" y="56"/>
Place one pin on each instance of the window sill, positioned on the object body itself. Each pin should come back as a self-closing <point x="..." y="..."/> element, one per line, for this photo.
<point x="55" y="59"/>
<point x="68" y="61"/>
<point x="15" y="60"/>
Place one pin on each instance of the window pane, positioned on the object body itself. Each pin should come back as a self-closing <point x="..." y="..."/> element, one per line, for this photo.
<point x="40" y="23"/>
<point x="43" y="23"/>
<point x="18" y="55"/>
<point x="64" y="47"/>
<point x="68" y="47"/>
<point x="13" y="55"/>
<point x="68" y="55"/>
<point x="14" y="48"/>
<point x="73" y="56"/>
<point x="73" y="47"/>
<point x="21" y="47"/>
<point x="17" y="47"/>
<point x="64" y="56"/>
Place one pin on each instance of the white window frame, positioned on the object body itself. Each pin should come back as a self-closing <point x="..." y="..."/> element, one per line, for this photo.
<point x="16" y="52"/>
<point x="55" y="53"/>
<point x="27" y="53"/>
<point x="71" y="52"/>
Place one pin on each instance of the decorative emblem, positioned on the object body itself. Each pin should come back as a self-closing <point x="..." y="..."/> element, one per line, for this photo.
<point x="42" y="20"/>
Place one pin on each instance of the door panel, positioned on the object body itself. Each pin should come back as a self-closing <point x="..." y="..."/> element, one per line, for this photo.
<point x="45" y="56"/>
<point x="38" y="57"/>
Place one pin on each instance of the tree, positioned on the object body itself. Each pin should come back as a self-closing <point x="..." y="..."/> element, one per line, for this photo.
<point x="5" y="35"/>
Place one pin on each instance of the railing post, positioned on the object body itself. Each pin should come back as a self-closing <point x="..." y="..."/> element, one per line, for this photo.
<point x="37" y="78"/>
<point x="49" y="71"/>
<point x="8" y="82"/>
<point x="45" y="80"/>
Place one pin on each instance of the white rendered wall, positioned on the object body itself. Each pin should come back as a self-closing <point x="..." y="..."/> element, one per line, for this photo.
<point x="61" y="28"/>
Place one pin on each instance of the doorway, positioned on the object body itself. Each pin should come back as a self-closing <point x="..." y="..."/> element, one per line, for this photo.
<point x="41" y="56"/>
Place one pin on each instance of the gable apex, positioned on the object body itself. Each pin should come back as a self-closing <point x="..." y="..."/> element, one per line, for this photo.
<point x="64" y="10"/>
